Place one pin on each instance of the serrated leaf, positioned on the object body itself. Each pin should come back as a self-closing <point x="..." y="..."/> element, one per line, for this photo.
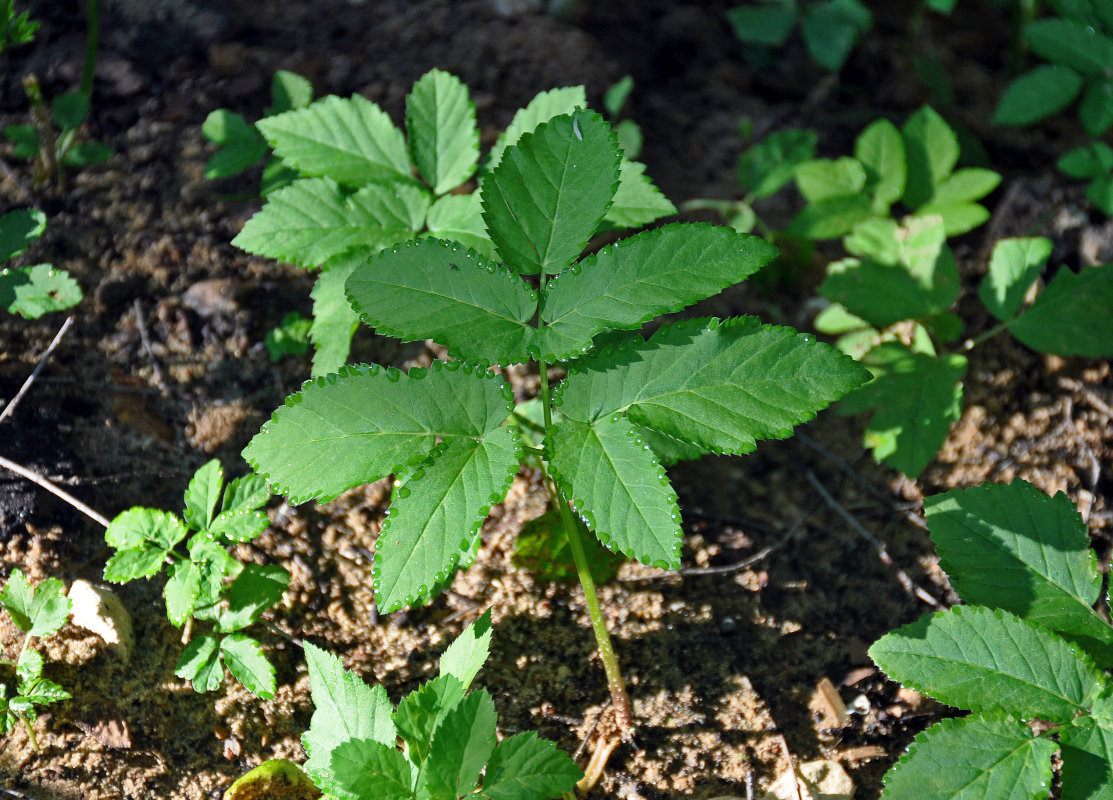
<point x="831" y="218"/>
<point x="1071" y="44"/>
<point x="200" y="664"/>
<point x="541" y="546"/>
<point x="18" y="229"/>
<point x="351" y="141"/>
<point x="917" y="397"/>
<point x="542" y="108"/>
<point x="880" y="151"/>
<point x="37" y="290"/>
<point x="1096" y="109"/>
<point x="253" y="591"/>
<point x="767" y="166"/>
<point x="419" y="713"/>
<point x="28" y="669"/>
<point x="637" y="201"/>
<point x="289" y="91"/>
<point x="183" y="583"/>
<point x="525" y="767"/>
<point x="437" y="513"/>
<point x="443" y="137"/>
<point x="616" y="485"/>
<point x="37" y="611"/>
<point x="461" y="744"/>
<point x="202" y="495"/>
<point x="345" y="708"/>
<point x="1013" y="268"/>
<point x="1087" y="162"/>
<point x="1071" y="315"/>
<point x="639" y="278"/>
<point x="990" y="660"/>
<point x="138" y="525"/>
<point x="134" y="563"/>
<point x="975" y="758"/>
<point x="822" y="178"/>
<point x="1015" y="548"/>
<point x="1087" y="752"/>
<point x="549" y="192"/>
<point x="360" y="769"/>
<point x="245" y="493"/>
<point x="357" y="426"/>
<point x="432" y="289"/>
<point x="1036" y="94"/>
<point x="312" y="220"/>
<point x="43" y="693"/>
<point x="245" y="660"/>
<point x="459" y="218"/>
<point x="931" y="152"/>
<point x="465" y="656"/>
<point x="238" y="526"/>
<point x="669" y="450"/>
<point x="334" y="319"/>
<point x="241" y="144"/>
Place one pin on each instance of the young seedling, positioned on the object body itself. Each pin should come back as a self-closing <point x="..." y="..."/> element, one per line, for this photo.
<point x="694" y="386"/>
<point x="37" y="611"/>
<point x="38" y="289"/>
<point x="892" y="311"/>
<point x="1094" y="163"/>
<point x="830" y="28"/>
<point x="361" y="182"/>
<point x="204" y="582"/>
<point x="15" y="29"/>
<point x="1029" y="646"/>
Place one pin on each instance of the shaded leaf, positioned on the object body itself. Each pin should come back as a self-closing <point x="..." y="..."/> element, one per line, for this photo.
<point x="525" y="767"/>
<point x="1013" y="268"/>
<point x="18" y="229"/>
<point x="1036" y="94"/>
<point x="200" y="664"/>
<point x="1071" y="315"/>
<point x="767" y="166"/>
<point x="880" y="151"/>
<point x="931" y="152"/>
<point x="37" y="290"/>
<point x="637" y="201"/>
<point x="462" y="742"/>
<point x="459" y="218"/>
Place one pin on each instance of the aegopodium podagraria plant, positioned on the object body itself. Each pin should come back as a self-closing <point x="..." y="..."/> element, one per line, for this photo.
<point x="450" y="433"/>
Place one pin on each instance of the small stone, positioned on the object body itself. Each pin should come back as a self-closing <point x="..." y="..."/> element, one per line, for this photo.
<point x="818" y="780"/>
<point x="98" y="609"/>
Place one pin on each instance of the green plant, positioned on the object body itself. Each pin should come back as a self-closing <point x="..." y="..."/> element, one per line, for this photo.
<point x="38" y="289"/>
<point x="15" y="29"/>
<point x="363" y="183"/>
<point x="289" y="338"/>
<point x="37" y="611"/>
<point x="204" y="582"/>
<point x="629" y="133"/>
<point x="830" y="28"/>
<point x="892" y="311"/>
<point x="1093" y="162"/>
<point x="450" y="433"/>
<point x="1028" y="647"/>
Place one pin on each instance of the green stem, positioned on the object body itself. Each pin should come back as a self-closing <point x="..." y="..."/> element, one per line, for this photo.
<point x="527" y="422"/>
<point x="970" y="344"/>
<point x="92" y="39"/>
<point x="30" y="733"/>
<point x="615" y="682"/>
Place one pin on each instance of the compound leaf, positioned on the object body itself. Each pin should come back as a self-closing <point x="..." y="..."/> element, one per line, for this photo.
<point x="18" y="229"/>
<point x="37" y="290"/>
<point x="465" y="656"/>
<point x="351" y="141"/>
<point x="438" y="512"/>
<point x="1013" y="268"/>
<point x="1071" y="315"/>
<point x="461" y="744"/>
<point x="880" y="151"/>
<point x="347" y="429"/>
<point x="542" y="108"/>
<point x="1036" y="94"/>
<point x="1071" y="44"/>
<point x="368" y="770"/>
<point x="639" y="278"/>
<point x="200" y="664"/>
<point x="549" y="193"/>
<point x="974" y="758"/>
<point x="432" y="289"/>
<point x="334" y="319"/>
<point x="245" y="660"/>
<point x="637" y="201"/>
<point x="931" y="152"/>
<point x="459" y="218"/>
<point x="990" y="660"/>
<point x="38" y="611"/>
<point x="440" y="121"/>
<point x="525" y="767"/>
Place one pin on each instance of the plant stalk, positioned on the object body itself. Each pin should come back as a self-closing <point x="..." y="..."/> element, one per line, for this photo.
<point x="92" y="40"/>
<point x="970" y="344"/>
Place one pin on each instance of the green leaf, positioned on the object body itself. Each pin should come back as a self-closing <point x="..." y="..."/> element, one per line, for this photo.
<point x="440" y="121"/>
<point x="965" y="185"/>
<point x="1036" y="94"/>
<point x="1013" y="268"/>
<point x="253" y="591"/>
<point x="878" y="239"/>
<point x="334" y="319"/>
<point x="351" y="141"/>
<point x="289" y="91"/>
<point x="549" y="193"/>
<point x="634" y="280"/>
<point x="18" y="229"/>
<point x="1071" y="44"/>
<point x="917" y="397"/>
<point x="82" y="154"/>
<point x="1013" y="547"/>
<point x="931" y="152"/>
<point x="364" y="423"/>
<point x="1096" y="109"/>
<point x="524" y="767"/>
<point x="432" y="289"/>
<point x="368" y="770"/>
<point x="637" y="201"/>
<point x="276" y="175"/>
<point x="832" y="28"/>
<point x="1100" y="193"/>
<point x="1071" y="315"/>
<point x="312" y="220"/>
<point x="990" y="660"/>
<point x="461" y="744"/>
<point x="241" y="145"/>
<point x="200" y="664"/>
<point x="767" y="166"/>
<point x="957" y="218"/>
<point x="975" y="758"/>
<point x="420" y="712"/>
<point x="29" y="668"/>
<point x="822" y="179"/>
<point x="245" y="493"/>
<point x="38" y="611"/>
<point x="202" y="495"/>
<point x="345" y="708"/>
<point x="768" y="25"/>
<point x="459" y="218"/>
<point x="615" y="484"/>
<point x="25" y="140"/>
<point x="248" y="665"/>
<point x="541" y="108"/>
<point x="721" y="385"/>
<point x="880" y="151"/>
<point x="1087" y="162"/>
<point x="43" y="693"/>
<point x="37" y="290"/>
<point x="69" y="110"/>
<point x="183" y="584"/>
<point x="615" y="97"/>
<point x="438" y="512"/>
<point x="831" y="218"/>
<point x="133" y="563"/>
<point x="542" y="548"/>
<point x="1087" y="752"/>
<point x="465" y="656"/>
<point x="669" y="450"/>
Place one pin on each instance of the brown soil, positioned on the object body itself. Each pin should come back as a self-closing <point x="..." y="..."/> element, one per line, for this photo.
<point x="719" y="665"/>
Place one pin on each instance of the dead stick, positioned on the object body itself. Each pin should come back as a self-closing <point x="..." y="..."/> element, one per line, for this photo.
<point x="10" y="407"/>
<point x="34" y="477"/>
<point x="791" y="765"/>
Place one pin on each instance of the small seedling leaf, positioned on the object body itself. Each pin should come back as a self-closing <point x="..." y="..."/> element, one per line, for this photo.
<point x="443" y="137"/>
<point x="767" y="166"/>
<point x="459" y="218"/>
<point x="245" y="493"/>
<point x="465" y="656"/>
<point x="637" y="201"/>
<point x="202" y="496"/>
<point x="461" y="744"/>
<point x="931" y="152"/>
<point x="822" y="179"/>
<point x="965" y="185"/>
<point x="1071" y="315"/>
<point x="134" y="563"/>
<point x="255" y="589"/>
<point x="241" y="144"/>
<point x="419" y="713"/>
<point x="1091" y="161"/>
<point x="245" y="660"/>
<point x="334" y="319"/>
<point x="37" y="290"/>
<point x="83" y="154"/>
<point x="368" y="770"/>
<point x="43" y="693"/>
<point x="18" y="229"/>
<point x="831" y="28"/>
<point x="767" y="25"/>
<point x="541" y="108"/>
<point x="525" y="767"/>
<point x="200" y="664"/>
<point x="1096" y="109"/>
<point x="1071" y="44"/>
<point x="37" y="611"/>
<point x="69" y="110"/>
<point x="831" y="218"/>
<point x="137" y="525"/>
<point x="289" y="91"/>
<point x="880" y="151"/>
<point x="28" y="669"/>
<point x="183" y="585"/>
<point x="1036" y="94"/>
<point x="1013" y="268"/>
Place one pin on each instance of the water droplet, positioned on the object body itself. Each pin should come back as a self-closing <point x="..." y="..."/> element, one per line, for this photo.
<point x="403" y="492"/>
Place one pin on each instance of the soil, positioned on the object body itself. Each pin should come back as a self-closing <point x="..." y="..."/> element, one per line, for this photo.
<point x="164" y="368"/>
